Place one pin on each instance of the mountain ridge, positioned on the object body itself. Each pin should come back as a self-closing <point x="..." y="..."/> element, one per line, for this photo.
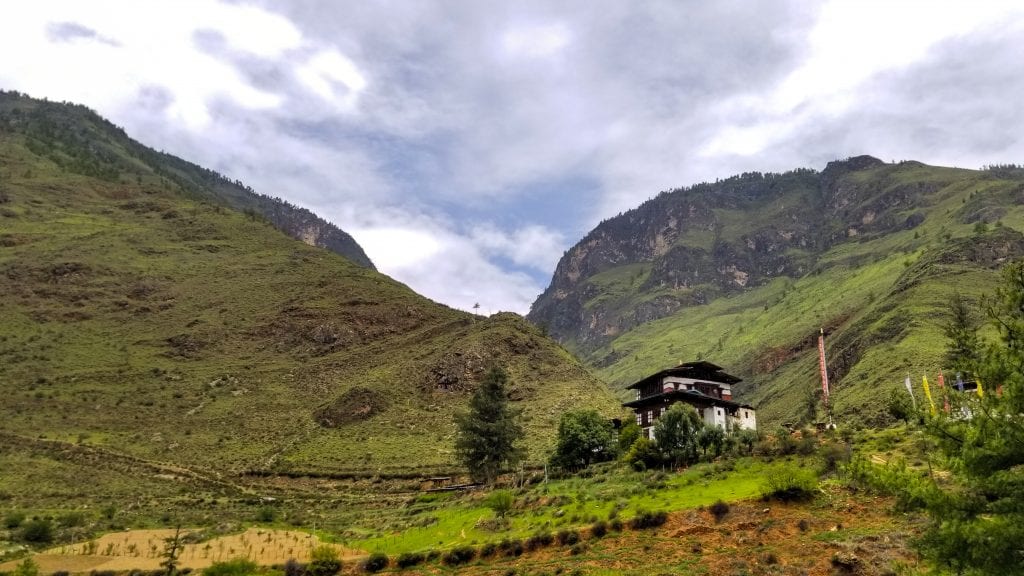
<point x="82" y="141"/>
<point x="690" y="272"/>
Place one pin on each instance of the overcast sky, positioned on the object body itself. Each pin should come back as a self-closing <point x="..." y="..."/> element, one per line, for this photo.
<point x="466" y="145"/>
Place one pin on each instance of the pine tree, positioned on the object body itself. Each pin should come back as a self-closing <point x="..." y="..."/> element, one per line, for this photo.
<point x="489" y="434"/>
<point x="172" y="547"/>
<point x="961" y="328"/>
<point x="978" y="524"/>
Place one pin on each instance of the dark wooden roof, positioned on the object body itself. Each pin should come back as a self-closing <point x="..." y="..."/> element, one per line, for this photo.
<point x="699" y="370"/>
<point x="686" y="396"/>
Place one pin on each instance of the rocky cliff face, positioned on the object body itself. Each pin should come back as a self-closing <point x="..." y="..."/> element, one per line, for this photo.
<point x="311" y="229"/>
<point x="688" y="246"/>
<point x="691" y="245"/>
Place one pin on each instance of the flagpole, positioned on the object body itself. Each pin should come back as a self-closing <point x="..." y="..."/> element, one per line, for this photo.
<point x="824" y="376"/>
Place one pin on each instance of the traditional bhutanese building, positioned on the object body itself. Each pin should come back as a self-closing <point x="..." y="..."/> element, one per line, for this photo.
<point x="702" y="385"/>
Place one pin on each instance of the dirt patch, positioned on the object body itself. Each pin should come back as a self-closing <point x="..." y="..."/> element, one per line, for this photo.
<point x="456" y="371"/>
<point x="184" y="346"/>
<point x="141" y="549"/>
<point x="353" y="406"/>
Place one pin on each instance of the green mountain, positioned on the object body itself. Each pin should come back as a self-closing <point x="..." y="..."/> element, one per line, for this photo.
<point x="745" y="271"/>
<point x="146" y="316"/>
<point x="80" y="141"/>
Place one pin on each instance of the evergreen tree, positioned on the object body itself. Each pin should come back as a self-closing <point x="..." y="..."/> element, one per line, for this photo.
<point x="961" y="328"/>
<point x="489" y="434"/>
<point x="172" y="547"/>
<point x="978" y="523"/>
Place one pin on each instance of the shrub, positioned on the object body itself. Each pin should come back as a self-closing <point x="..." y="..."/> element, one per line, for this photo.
<point x="642" y="455"/>
<point x="578" y="549"/>
<point x="324" y="561"/>
<point x="790" y="484"/>
<point x="13" y="520"/>
<point x="459" y="555"/>
<point x="803" y="525"/>
<point x="501" y="501"/>
<point x="376" y="562"/>
<point x="785" y="443"/>
<point x="832" y="454"/>
<point x="408" y="559"/>
<point x="807" y="443"/>
<point x="235" y="567"/>
<point x="513" y="547"/>
<point x="599" y="529"/>
<point x="38" y="531"/>
<point x="294" y="568"/>
<point x="28" y="567"/>
<point x="71" y="519"/>
<point x="719" y="510"/>
<point x="568" y="537"/>
<point x="538" y="540"/>
<point x="266" y="514"/>
<point x="615" y="525"/>
<point x="647" y="519"/>
<point x="488" y="550"/>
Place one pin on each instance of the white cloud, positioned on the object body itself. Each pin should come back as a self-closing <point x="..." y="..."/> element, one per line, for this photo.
<point x="852" y="42"/>
<point x="333" y="77"/>
<point x="449" y="267"/>
<point x="536" y="40"/>
<point x="449" y="137"/>
<point x="532" y="246"/>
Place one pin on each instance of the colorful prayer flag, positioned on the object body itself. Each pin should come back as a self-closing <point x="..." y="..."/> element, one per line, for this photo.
<point x="928" y="394"/>
<point x="910" y="390"/>
<point x="945" y="396"/>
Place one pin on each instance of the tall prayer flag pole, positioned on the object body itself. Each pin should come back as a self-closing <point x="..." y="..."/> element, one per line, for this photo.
<point x="824" y="373"/>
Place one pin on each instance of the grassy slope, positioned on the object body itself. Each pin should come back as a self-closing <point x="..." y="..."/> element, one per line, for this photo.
<point x="756" y="537"/>
<point x="170" y="329"/>
<point x="881" y="300"/>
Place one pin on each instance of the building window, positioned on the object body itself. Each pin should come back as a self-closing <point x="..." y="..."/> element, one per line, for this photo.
<point x="639" y="419"/>
<point x="650" y="416"/>
<point x="719" y="412"/>
<point x="746" y="414"/>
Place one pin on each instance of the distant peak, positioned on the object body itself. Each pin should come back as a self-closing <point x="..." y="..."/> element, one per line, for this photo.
<point x="853" y="163"/>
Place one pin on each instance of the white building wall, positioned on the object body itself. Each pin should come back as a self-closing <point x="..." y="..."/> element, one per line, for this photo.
<point x="746" y="419"/>
<point x="715" y="416"/>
